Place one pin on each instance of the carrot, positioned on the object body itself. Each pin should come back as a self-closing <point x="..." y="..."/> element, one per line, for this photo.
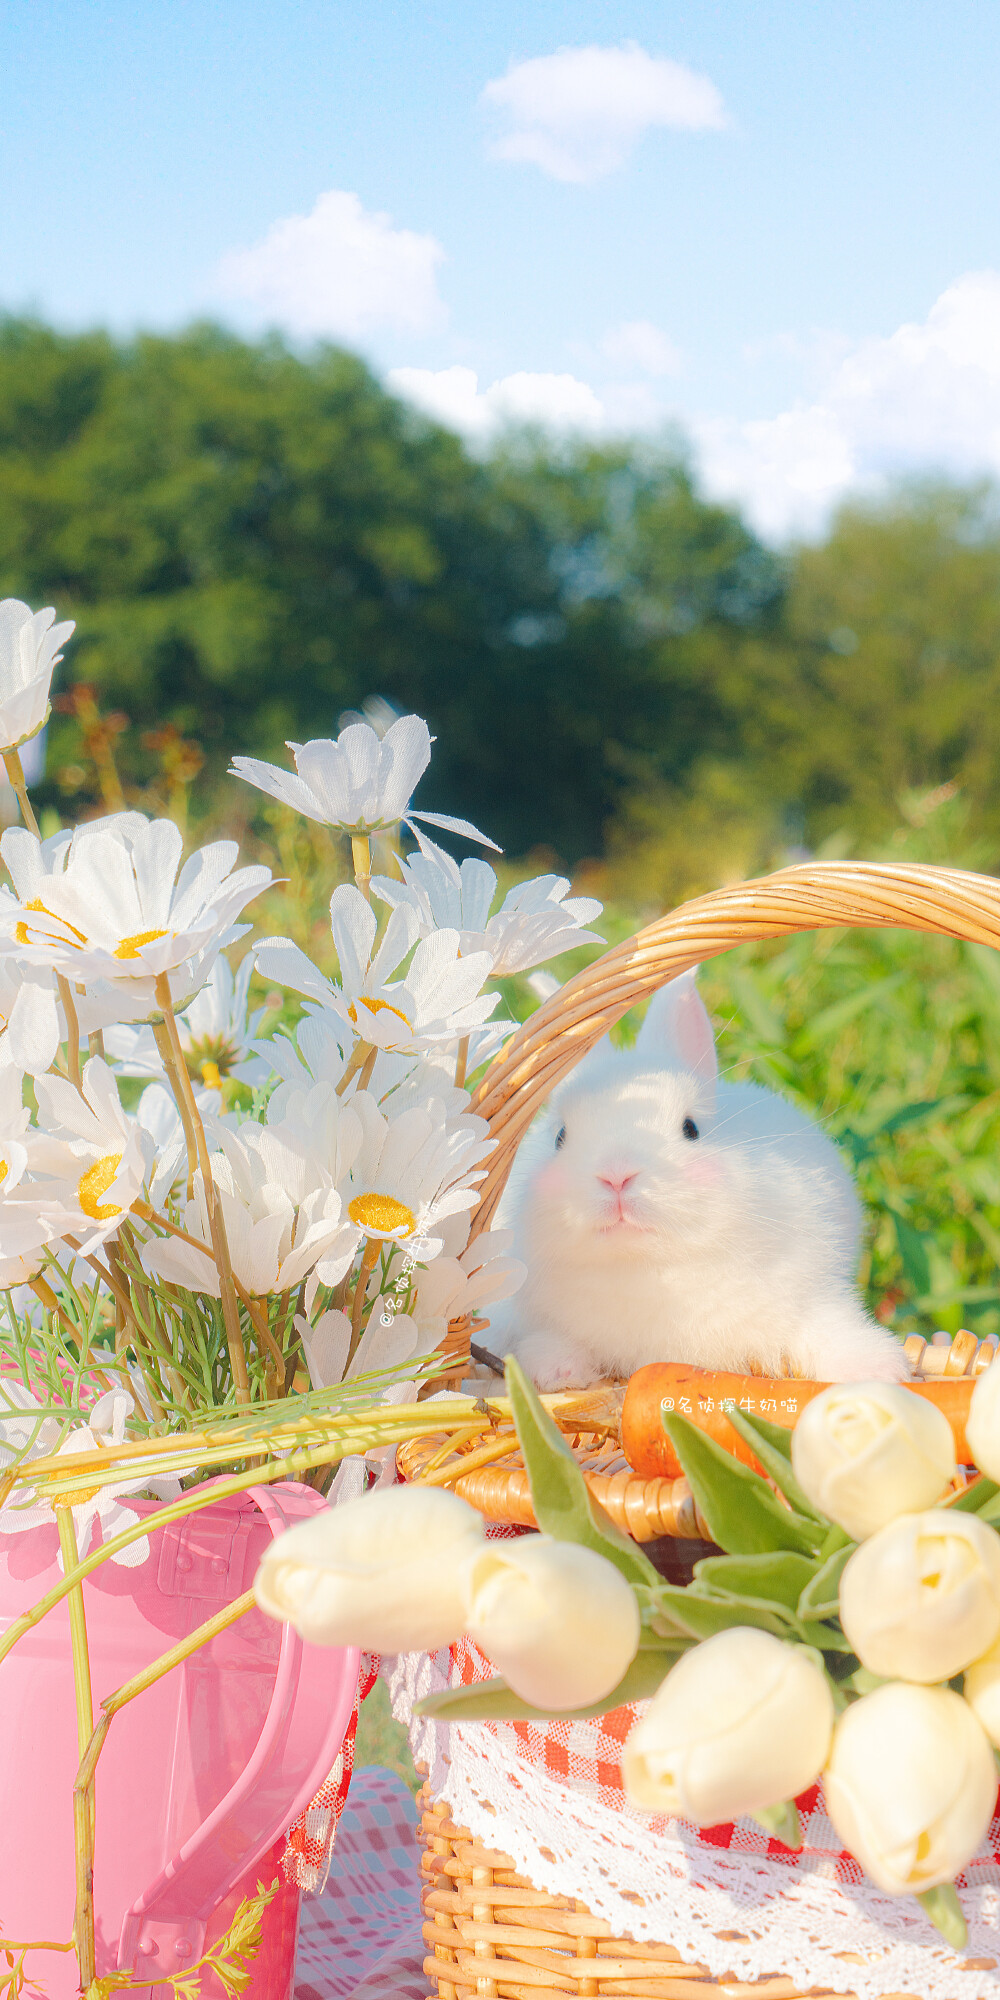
<point x="701" y="1395"/>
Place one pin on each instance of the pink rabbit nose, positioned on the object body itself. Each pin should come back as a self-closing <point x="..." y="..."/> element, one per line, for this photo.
<point x="616" y="1180"/>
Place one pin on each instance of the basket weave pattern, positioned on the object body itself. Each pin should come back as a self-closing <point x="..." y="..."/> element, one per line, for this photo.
<point x="490" y="1932"/>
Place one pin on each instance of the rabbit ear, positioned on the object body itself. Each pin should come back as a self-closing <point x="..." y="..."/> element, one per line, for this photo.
<point x="677" y="1031"/>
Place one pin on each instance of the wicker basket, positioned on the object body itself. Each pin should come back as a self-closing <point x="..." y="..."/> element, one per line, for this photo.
<point x="491" y="1932"/>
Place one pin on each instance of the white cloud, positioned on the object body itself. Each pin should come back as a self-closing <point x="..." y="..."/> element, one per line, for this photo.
<point x="338" y="272"/>
<point x="927" y="398"/>
<point x="453" y="396"/>
<point x="637" y="343"/>
<point x="577" y="114"/>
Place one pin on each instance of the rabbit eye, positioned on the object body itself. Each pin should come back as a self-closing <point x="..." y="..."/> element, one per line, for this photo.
<point x="560" y="1137"/>
<point x="689" y="1129"/>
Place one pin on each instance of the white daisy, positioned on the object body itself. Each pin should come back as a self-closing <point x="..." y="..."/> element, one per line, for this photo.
<point x="318" y="1051"/>
<point x="389" y="1339"/>
<point x="438" y="998"/>
<point x="282" y="1212"/>
<point x="88" y="1159"/>
<point x="216" y="1034"/>
<point x="109" y="904"/>
<point x="452" y="1287"/>
<point x="535" y="922"/>
<point x="29" y="653"/>
<point x="25" y="1230"/>
<point x="26" y="1434"/>
<point x="412" y="1172"/>
<point x="361" y="783"/>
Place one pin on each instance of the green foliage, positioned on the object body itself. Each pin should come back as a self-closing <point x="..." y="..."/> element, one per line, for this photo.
<point x="564" y="1506"/>
<point x="252" y="542"/>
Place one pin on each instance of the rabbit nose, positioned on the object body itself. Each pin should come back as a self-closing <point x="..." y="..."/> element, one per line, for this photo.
<point x="616" y="1180"/>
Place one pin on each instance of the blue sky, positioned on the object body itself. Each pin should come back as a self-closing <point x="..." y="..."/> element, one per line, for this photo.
<point x="777" y="223"/>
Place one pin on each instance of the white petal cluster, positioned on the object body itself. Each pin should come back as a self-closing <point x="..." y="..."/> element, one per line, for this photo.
<point x="217" y="1034"/>
<point x="438" y="998"/>
<point x="535" y="921"/>
<point x="29" y="653"/>
<point x="26" y="1433"/>
<point x="111" y="905"/>
<point x="361" y="783"/>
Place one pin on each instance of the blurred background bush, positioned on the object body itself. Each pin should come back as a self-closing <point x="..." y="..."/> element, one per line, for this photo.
<point x="623" y="681"/>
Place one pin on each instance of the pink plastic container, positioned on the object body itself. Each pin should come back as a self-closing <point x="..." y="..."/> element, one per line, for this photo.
<point x="201" y="1775"/>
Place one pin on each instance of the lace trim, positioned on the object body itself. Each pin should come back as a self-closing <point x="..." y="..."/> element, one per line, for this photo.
<point x="659" y="1883"/>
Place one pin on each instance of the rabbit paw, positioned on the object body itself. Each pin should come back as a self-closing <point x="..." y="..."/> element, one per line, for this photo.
<point x="554" y="1362"/>
<point x="854" y="1348"/>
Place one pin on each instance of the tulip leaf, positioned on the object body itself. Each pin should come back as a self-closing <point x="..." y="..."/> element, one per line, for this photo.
<point x="821" y="1595"/>
<point x="740" y="1510"/>
<point x="564" y="1506"/>
<point x="494" y="1701"/>
<point x="976" y="1497"/>
<point x="776" y="1462"/>
<point x="702" y="1615"/>
<point x="837" y="1538"/>
<point x="943" y="1908"/>
<point x="781" y="1575"/>
<point x="782" y="1823"/>
<point x="775" y="1435"/>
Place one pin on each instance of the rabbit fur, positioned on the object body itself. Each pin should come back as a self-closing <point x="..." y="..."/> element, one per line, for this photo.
<point x="665" y="1216"/>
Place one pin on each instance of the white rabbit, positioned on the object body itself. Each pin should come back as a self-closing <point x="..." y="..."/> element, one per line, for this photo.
<point x="664" y="1216"/>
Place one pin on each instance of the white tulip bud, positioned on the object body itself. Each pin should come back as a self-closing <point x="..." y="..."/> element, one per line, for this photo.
<point x="910" y="1786"/>
<point x="383" y="1572"/>
<point x="921" y="1599"/>
<point x="864" y="1452"/>
<point x="743" y="1721"/>
<point x="559" y="1622"/>
<point x="982" y="1691"/>
<point x="983" y="1427"/>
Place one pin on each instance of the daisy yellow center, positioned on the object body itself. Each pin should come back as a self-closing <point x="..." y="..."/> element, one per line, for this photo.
<point x="95" y="1182"/>
<point x="378" y="1007"/>
<point x="382" y="1213"/>
<point x="22" y="932"/>
<point x="210" y="1076"/>
<point x="129" y="947"/>
<point x="3" y="1170"/>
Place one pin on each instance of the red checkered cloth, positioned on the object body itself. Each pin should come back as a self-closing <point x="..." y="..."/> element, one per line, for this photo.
<point x="309" y="1847"/>
<point x="586" y="1756"/>
<point x="362" y="1939"/>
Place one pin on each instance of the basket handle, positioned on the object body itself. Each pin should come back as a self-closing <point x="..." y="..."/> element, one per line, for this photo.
<point x="821" y="895"/>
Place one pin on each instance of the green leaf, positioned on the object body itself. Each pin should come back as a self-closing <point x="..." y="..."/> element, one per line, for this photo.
<point x="776" y="1462"/>
<point x="781" y="1822"/>
<point x="838" y="1538"/>
<point x="821" y="1595"/>
<point x="943" y="1908"/>
<point x="775" y="1435"/>
<point x="494" y="1701"/>
<point x="564" y="1506"/>
<point x="780" y="1575"/>
<point x="977" y="1496"/>
<point x="701" y="1615"/>
<point x="738" y="1507"/>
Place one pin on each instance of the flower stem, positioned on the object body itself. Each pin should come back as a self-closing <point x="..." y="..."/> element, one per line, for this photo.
<point x="15" y="774"/>
<point x="161" y="1035"/>
<point x="83" y="1816"/>
<point x="72" y="1030"/>
<point x="368" y="1261"/>
<point x="361" y="855"/>
<point x="216" y="1220"/>
<point x="361" y="1055"/>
